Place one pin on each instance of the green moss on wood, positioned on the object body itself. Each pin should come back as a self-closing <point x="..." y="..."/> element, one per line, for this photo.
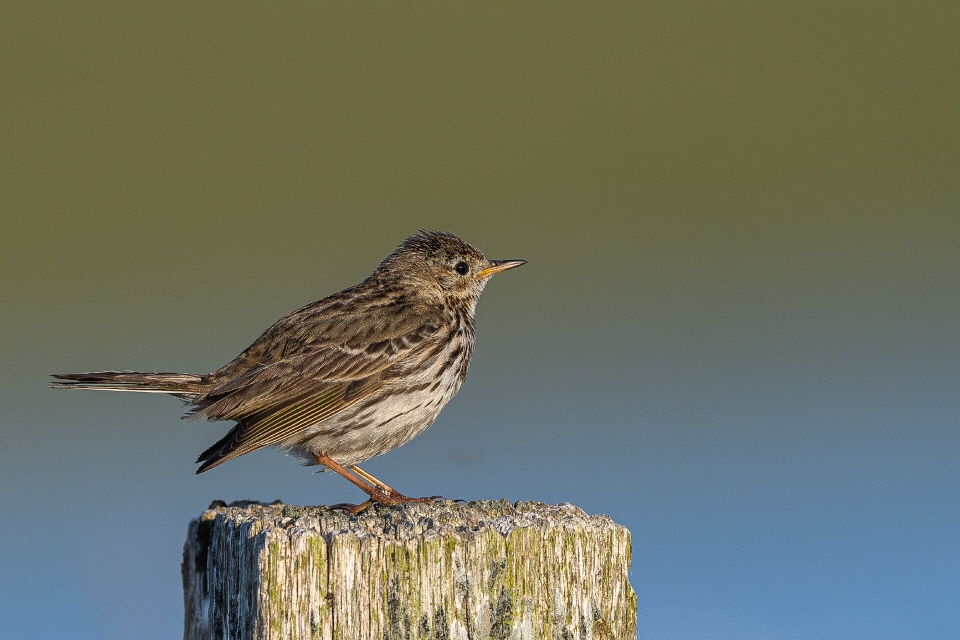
<point x="424" y="572"/>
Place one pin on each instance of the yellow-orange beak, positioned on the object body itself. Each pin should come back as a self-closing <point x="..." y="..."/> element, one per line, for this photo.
<point x="496" y="266"/>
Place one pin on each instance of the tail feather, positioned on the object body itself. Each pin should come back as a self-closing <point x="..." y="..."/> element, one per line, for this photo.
<point x="180" y="384"/>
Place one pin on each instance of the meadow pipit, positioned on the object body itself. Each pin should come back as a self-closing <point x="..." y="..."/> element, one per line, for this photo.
<point x="348" y="377"/>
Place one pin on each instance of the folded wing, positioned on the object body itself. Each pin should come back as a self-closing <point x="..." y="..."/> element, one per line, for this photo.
<point x="274" y="401"/>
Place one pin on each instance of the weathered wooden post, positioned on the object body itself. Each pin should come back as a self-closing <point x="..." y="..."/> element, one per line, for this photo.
<point x="441" y="571"/>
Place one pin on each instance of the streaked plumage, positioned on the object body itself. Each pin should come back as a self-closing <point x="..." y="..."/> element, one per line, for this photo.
<point x="350" y="376"/>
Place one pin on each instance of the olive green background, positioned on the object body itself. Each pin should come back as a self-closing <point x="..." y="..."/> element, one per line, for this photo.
<point x="737" y="333"/>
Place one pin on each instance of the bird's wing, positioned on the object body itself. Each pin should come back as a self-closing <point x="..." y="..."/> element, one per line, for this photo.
<point x="313" y="359"/>
<point x="274" y="401"/>
<point x="279" y="423"/>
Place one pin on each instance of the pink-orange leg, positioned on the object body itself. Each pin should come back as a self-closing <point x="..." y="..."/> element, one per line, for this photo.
<point x="379" y="492"/>
<point x="369" y="477"/>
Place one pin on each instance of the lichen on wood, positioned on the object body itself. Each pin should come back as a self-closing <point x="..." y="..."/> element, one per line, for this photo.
<point x="440" y="571"/>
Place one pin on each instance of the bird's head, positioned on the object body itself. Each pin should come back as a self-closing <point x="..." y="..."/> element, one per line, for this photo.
<point x="441" y="265"/>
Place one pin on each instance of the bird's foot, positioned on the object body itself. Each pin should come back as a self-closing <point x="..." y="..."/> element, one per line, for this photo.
<point x="352" y="509"/>
<point x="393" y="497"/>
<point x="387" y="499"/>
<point x="379" y="491"/>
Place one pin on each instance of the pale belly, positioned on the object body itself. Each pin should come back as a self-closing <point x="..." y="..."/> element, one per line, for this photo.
<point x="383" y="421"/>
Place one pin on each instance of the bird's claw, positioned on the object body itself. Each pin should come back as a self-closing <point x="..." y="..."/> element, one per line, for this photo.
<point x="385" y="499"/>
<point x="352" y="509"/>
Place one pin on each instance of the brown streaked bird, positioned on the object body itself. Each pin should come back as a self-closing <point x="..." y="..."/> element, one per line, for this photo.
<point x="348" y="377"/>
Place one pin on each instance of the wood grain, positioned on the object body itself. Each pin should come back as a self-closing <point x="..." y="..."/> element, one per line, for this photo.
<point x="441" y="571"/>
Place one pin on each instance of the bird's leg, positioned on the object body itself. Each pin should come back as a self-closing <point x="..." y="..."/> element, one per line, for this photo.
<point x="330" y="463"/>
<point x="378" y="491"/>
<point x="369" y="477"/>
<point x="372" y="479"/>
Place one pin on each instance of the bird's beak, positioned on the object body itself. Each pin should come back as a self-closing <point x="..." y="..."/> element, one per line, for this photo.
<point x="496" y="266"/>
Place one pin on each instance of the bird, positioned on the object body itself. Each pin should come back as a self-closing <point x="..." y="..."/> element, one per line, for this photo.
<point x="348" y="377"/>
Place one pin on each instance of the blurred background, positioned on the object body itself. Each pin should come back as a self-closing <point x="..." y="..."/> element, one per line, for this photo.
<point x="737" y="333"/>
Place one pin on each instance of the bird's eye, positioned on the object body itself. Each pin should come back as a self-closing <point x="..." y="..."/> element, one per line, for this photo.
<point x="462" y="268"/>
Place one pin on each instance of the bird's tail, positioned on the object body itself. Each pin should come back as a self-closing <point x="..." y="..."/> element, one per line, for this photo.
<point x="177" y="384"/>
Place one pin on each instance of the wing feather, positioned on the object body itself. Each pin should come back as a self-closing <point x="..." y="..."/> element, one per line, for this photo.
<point x="275" y="426"/>
<point x="275" y="400"/>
